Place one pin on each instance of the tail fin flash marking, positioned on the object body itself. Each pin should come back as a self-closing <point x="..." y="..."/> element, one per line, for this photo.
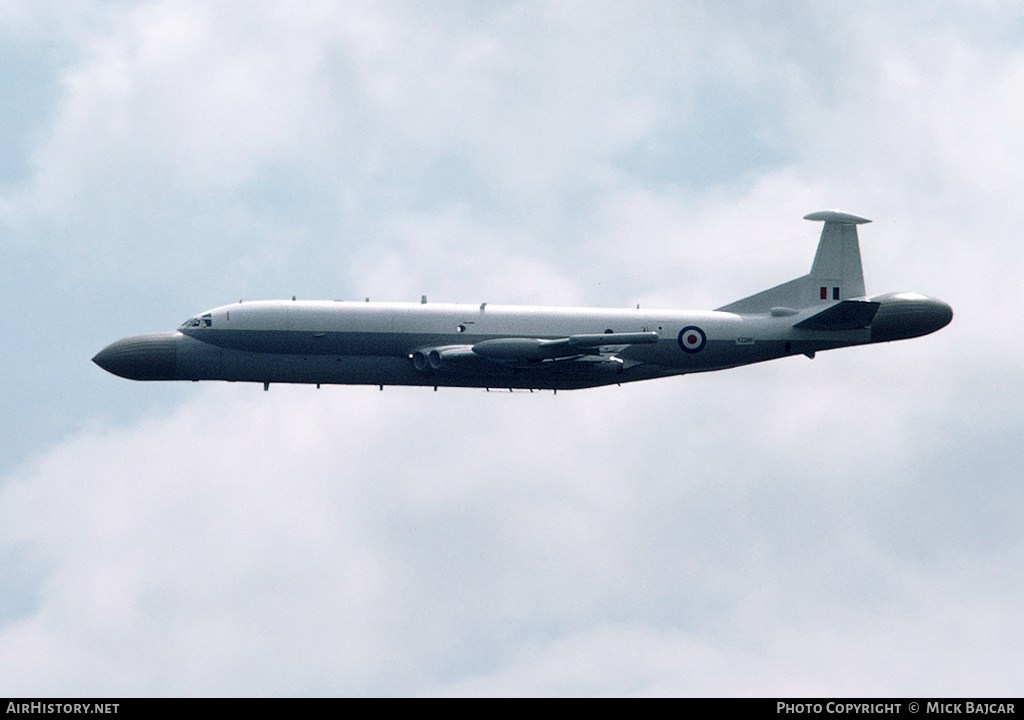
<point x="836" y="273"/>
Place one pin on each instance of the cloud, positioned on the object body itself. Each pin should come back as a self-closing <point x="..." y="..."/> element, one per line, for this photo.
<point x="352" y="541"/>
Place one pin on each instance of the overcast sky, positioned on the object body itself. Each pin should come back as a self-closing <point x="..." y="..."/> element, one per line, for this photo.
<point x="843" y="526"/>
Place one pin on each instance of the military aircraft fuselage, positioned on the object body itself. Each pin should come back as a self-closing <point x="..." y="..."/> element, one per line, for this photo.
<point x="493" y="346"/>
<point x="433" y="344"/>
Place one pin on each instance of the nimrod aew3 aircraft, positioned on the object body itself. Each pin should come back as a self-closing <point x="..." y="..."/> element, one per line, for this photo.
<point x="490" y="346"/>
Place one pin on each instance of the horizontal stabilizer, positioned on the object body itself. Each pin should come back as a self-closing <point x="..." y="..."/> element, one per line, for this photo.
<point x="846" y="315"/>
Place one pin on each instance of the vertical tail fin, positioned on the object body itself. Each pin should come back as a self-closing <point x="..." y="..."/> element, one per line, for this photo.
<point x="835" y="275"/>
<point x="837" y="266"/>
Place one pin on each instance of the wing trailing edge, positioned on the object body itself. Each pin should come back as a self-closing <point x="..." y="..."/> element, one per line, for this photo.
<point x="536" y="349"/>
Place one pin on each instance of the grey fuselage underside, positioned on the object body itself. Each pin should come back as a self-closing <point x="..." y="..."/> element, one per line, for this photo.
<point x="375" y="343"/>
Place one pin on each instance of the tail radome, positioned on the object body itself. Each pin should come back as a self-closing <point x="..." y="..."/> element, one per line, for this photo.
<point x="835" y="275"/>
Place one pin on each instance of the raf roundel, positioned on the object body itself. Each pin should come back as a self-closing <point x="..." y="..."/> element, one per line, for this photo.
<point x="692" y="339"/>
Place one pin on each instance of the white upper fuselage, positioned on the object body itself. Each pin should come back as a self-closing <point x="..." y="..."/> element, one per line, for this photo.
<point x="401" y="329"/>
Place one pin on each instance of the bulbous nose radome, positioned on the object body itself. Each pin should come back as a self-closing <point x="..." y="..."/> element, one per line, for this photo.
<point x="142" y="357"/>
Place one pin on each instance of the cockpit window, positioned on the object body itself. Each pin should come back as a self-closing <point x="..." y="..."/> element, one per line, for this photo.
<point x="200" y="321"/>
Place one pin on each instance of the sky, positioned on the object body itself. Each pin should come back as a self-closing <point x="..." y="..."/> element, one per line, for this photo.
<point x="847" y="526"/>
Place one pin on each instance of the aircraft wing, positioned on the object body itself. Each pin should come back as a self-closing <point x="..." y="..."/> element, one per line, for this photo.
<point x="528" y="352"/>
<point x="535" y="349"/>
